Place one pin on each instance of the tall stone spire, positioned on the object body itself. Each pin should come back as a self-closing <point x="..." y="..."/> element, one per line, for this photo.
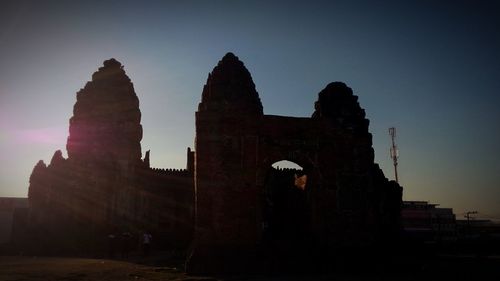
<point x="230" y="89"/>
<point x="106" y="119"/>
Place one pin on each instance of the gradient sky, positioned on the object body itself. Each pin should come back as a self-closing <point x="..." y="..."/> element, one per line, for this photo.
<point x="429" y="68"/>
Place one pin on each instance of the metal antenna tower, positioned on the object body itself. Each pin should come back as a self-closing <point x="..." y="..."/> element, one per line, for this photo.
<point x="394" y="151"/>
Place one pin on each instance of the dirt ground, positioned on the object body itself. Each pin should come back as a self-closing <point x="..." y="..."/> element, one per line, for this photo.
<point x="86" y="269"/>
<point x="79" y="269"/>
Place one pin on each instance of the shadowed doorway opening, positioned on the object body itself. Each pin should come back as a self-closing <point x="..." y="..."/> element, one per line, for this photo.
<point x="286" y="213"/>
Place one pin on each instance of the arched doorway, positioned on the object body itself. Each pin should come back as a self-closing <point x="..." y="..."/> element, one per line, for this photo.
<point x="286" y="218"/>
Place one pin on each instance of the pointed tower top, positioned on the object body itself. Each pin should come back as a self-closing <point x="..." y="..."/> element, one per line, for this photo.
<point x="230" y="88"/>
<point x="229" y="56"/>
<point x="57" y="158"/>
<point x="111" y="68"/>
<point x="106" y="118"/>
<point x="338" y="103"/>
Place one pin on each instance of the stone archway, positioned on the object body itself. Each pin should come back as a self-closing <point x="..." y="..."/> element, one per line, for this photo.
<point x="285" y="209"/>
<point x="348" y="200"/>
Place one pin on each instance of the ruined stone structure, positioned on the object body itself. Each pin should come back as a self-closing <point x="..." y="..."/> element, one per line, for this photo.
<point x="347" y="200"/>
<point x="104" y="186"/>
<point x="240" y="207"/>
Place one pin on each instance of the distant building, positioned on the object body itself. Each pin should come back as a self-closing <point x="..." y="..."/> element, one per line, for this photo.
<point x="473" y="228"/>
<point x="422" y="221"/>
<point x="9" y="206"/>
<point x="479" y="236"/>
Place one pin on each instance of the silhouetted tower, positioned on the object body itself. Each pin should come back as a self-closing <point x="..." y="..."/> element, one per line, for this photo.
<point x="394" y="152"/>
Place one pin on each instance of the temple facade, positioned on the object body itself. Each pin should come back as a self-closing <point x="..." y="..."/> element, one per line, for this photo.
<point x="104" y="187"/>
<point x="229" y="204"/>
<point x="345" y="201"/>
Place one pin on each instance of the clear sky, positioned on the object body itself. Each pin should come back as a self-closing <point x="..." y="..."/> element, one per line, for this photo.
<point x="429" y="68"/>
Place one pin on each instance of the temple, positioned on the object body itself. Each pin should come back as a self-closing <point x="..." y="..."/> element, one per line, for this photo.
<point x="104" y="186"/>
<point x="230" y="207"/>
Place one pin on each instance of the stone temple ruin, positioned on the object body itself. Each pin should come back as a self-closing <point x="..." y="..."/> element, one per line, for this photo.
<point x="104" y="186"/>
<point x="229" y="207"/>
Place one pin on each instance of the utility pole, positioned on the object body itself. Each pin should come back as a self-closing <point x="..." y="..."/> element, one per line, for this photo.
<point x="394" y="151"/>
<point x="468" y="217"/>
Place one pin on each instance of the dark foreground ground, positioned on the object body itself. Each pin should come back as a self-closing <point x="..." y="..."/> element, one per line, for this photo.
<point x="158" y="267"/>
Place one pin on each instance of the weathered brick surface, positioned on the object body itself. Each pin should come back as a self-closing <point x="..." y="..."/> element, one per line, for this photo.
<point x="242" y="210"/>
<point x="348" y="201"/>
<point x="104" y="187"/>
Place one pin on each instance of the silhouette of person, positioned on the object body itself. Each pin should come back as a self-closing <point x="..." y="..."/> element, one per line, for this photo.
<point x="111" y="245"/>
<point x="146" y="242"/>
